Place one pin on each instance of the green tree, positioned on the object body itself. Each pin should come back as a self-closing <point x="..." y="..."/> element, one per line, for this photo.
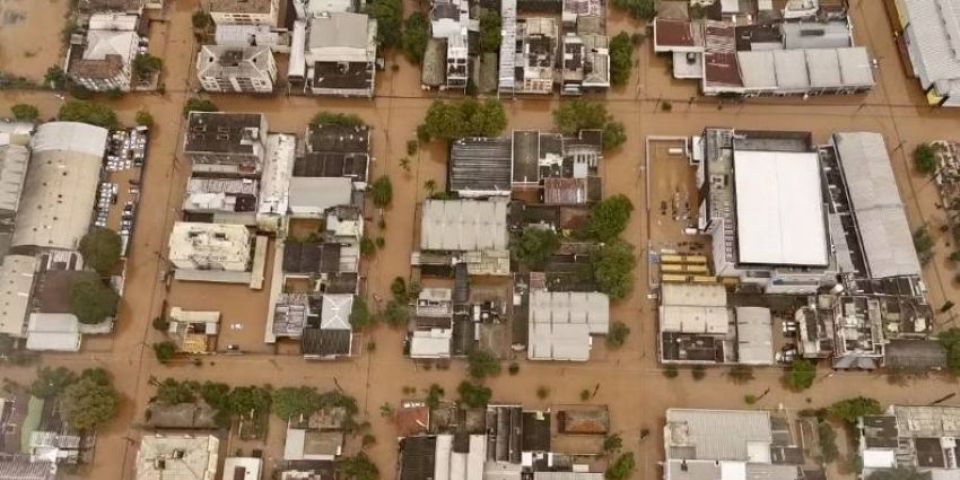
<point x="416" y="34"/>
<point x="86" y="111"/>
<point x="144" y="118"/>
<point x="618" y="334"/>
<point x="612" y="443"/>
<point x="145" y="65"/>
<point x="698" y="372"/>
<point x="396" y="313"/>
<point x="201" y="20"/>
<point x="56" y="78"/>
<point x="434" y="395"/>
<point x="828" y="442"/>
<point x="608" y="218"/>
<point x="950" y="341"/>
<point x="614" y="135"/>
<point x="474" y="395"/>
<point x="24" y="112"/>
<point x="851" y="409"/>
<point x="534" y="247"/>
<point x="357" y="467"/>
<point x="173" y="392"/>
<point x="249" y="400"/>
<point x="360" y="316"/>
<point x="91" y="300"/>
<point x="367" y="247"/>
<point x="621" y="58"/>
<point x="482" y="364"/>
<point x="899" y="473"/>
<point x="398" y="287"/>
<point x="89" y="403"/>
<point x="332" y="118"/>
<point x="800" y="375"/>
<point x="51" y="382"/>
<point x="925" y="158"/>
<point x="741" y="374"/>
<point x="466" y="118"/>
<point x="195" y="104"/>
<point x="216" y="394"/>
<point x="613" y="266"/>
<point x="490" y="31"/>
<point x="579" y="114"/>
<point x="389" y="17"/>
<point x="382" y="191"/>
<point x="670" y="371"/>
<point x="622" y="468"/>
<point x="641" y="9"/>
<point x="164" y="351"/>
<point x="291" y="402"/>
<point x="100" y="248"/>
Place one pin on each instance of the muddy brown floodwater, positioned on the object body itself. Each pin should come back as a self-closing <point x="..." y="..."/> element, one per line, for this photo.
<point x="629" y="379"/>
<point x="30" y="38"/>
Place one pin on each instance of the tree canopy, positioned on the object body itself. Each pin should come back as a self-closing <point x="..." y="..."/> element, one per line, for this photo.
<point x="85" y="111"/>
<point x="24" y="112"/>
<point x="622" y="468"/>
<point x="464" y="118"/>
<point x="899" y="473"/>
<point x="416" y="34"/>
<point x="90" y="402"/>
<point x="382" y="191"/>
<point x="51" y="382"/>
<point x="924" y="158"/>
<point x="357" y="467"/>
<point x="474" y="395"/>
<point x="614" y="135"/>
<point x="335" y="118"/>
<point x="250" y="399"/>
<point x="609" y="217"/>
<point x="164" y="351"/>
<point x="100" y="248"/>
<point x="800" y="375"/>
<point x="144" y="118"/>
<point x="396" y="313"/>
<point x="145" y="65"/>
<point x="950" y="340"/>
<point x="618" y="334"/>
<point x="535" y="246"/>
<point x="291" y="402"/>
<point x="173" y="392"/>
<point x="579" y="114"/>
<point x="482" y="363"/>
<point x="360" y="316"/>
<point x="851" y="409"/>
<point x="613" y="266"/>
<point x="195" y="104"/>
<point x="641" y="9"/>
<point x="389" y="16"/>
<point x="621" y="58"/>
<point x="490" y="31"/>
<point x="91" y="300"/>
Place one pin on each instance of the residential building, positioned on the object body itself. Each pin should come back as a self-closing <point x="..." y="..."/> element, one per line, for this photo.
<point x="221" y="200"/>
<point x="240" y="70"/>
<point x="533" y="68"/>
<point x="312" y="197"/>
<point x="336" y="151"/>
<point x="205" y="246"/>
<point x="194" y="332"/>
<point x="562" y="324"/>
<point x="274" y="198"/>
<point x="703" y="444"/>
<point x="242" y="468"/>
<point x="780" y="58"/>
<point x="246" y="36"/>
<point x="244" y="12"/>
<point x="103" y="60"/>
<point x="446" y="62"/>
<point x="915" y="437"/>
<point x="431" y="330"/>
<point x="231" y="144"/>
<point x="60" y="190"/>
<point x="332" y="336"/>
<point x="340" y="54"/>
<point x="585" y="60"/>
<point x="304" y="443"/>
<point x="470" y="232"/>
<point x="178" y="456"/>
<point x="564" y="168"/>
<point x="927" y="32"/>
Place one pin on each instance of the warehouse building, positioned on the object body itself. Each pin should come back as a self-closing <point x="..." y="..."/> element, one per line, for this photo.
<point x="929" y="30"/>
<point x="562" y="324"/>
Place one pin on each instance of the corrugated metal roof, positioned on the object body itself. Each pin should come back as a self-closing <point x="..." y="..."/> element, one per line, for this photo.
<point x="717" y="434"/>
<point x="932" y="25"/>
<point x="757" y="69"/>
<point x="463" y="225"/>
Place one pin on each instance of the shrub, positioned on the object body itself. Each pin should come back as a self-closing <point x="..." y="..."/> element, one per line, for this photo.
<point x="741" y="374"/>
<point x="198" y="105"/>
<point x="543" y="392"/>
<point x="474" y="395"/>
<point x="490" y="30"/>
<point x="164" y="351"/>
<point x="161" y="323"/>
<point x="618" y="334"/>
<point x="416" y="34"/>
<point x="144" y="118"/>
<point x="514" y="368"/>
<point x="621" y="58"/>
<point x="698" y="372"/>
<point x="382" y="191"/>
<point x="924" y="158"/>
<point x="331" y="118"/>
<point x="24" y="112"/>
<point x="85" y="111"/>
<point x="482" y="364"/>
<point x="750" y="399"/>
<point x="670" y="371"/>
<point x="800" y="375"/>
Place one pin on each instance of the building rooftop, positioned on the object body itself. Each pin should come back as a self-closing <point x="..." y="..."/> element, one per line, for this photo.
<point x="13" y="171"/>
<point x="204" y="246"/>
<point x="311" y="257"/>
<point x="304" y="444"/>
<point x="934" y="58"/>
<point x="780" y="218"/>
<point x="754" y="336"/>
<point x="561" y="323"/>
<point x="239" y="6"/>
<point x="242" y="468"/>
<point x="584" y="420"/>
<point x="177" y="457"/>
<point x="338" y="138"/>
<point x="335" y="314"/>
<point x="181" y="416"/>
<point x="219" y="61"/>
<point x="16" y="287"/>
<point x="312" y="196"/>
<point x="60" y="189"/>
<point x="221" y="132"/>
<point x="463" y="225"/>
<point x="58" y="332"/>
<point x="221" y="194"/>
<point x="95" y="6"/>
<point x="481" y="166"/>
<point x="332" y="164"/>
<point x="693" y="308"/>
<point x="735" y="435"/>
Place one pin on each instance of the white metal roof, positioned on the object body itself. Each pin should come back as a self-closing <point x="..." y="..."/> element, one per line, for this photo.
<point x="59" y="332"/>
<point x="934" y="27"/>
<point x="434" y="343"/>
<point x="757" y="69"/>
<point x="335" y="313"/>
<point x="561" y="323"/>
<point x="717" y="434"/>
<point x="779" y="208"/>
<point x="684" y="319"/>
<point x="885" y="234"/>
<point x="277" y="171"/>
<point x="311" y="196"/>
<point x="463" y="225"/>
<point x="16" y="284"/>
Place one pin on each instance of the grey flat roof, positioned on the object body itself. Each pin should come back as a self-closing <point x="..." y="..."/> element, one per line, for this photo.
<point x="833" y="34"/>
<point x="754" y="336"/>
<point x="716" y="434"/>
<point x="481" y="164"/>
<point x="463" y="225"/>
<point x="314" y="195"/>
<point x="223" y="132"/>
<point x="884" y="231"/>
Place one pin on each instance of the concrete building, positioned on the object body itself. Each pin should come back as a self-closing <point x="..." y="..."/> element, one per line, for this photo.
<point x="14" y="161"/>
<point x="533" y="68"/>
<point x="710" y="444"/>
<point x="585" y="55"/>
<point x="921" y="438"/>
<point x="221" y="200"/>
<point x="432" y="328"/>
<point x="928" y="33"/>
<point x="59" y="194"/>
<point x="695" y="324"/>
<point x="103" y="60"/>
<point x="562" y="324"/>
<point x="205" y="246"/>
<point x="336" y="151"/>
<point x="246" y="36"/>
<point x="340" y="54"/>
<point x="231" y="144"/>
<point x="242" y="468"/>
<point x="239" y="70"/>
<point x="447" y="60"/>
<point x="244" y="12"/>
<point x="332" y="336"/>
<point x="194" y="332"/>
<point x="183" y="457"/>
<point x="471" y="232"/>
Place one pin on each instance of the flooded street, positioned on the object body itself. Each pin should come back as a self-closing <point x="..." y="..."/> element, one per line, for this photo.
<point x="30" y="39"/>
<point x="629" y="379"/>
